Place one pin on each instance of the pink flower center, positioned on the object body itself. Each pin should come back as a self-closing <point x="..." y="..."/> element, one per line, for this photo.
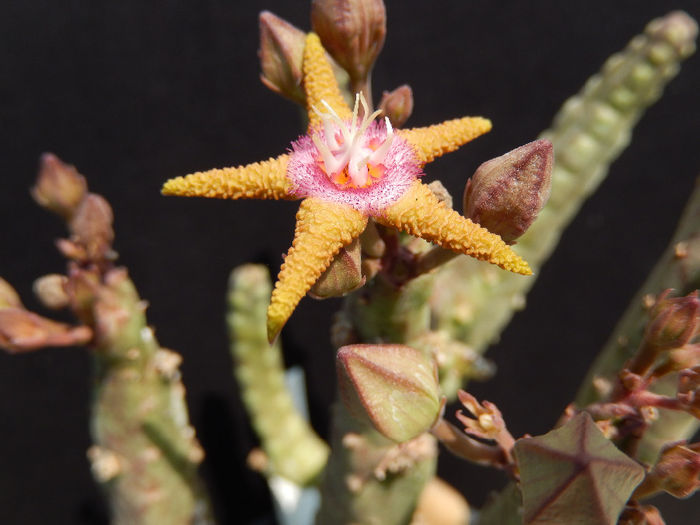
<point x="348" y="155"/>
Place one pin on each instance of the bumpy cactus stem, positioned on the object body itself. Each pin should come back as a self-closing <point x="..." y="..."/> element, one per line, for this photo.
<point x="370" y="479"/>
<point x="145" y="452"/>
<point x="293" y="449"/>
<point x="589" y="132"/>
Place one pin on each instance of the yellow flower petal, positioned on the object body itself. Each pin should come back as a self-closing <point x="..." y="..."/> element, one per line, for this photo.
<point x="322" y="229"/>
<point x="260" y="180"/>
<point x="320" y="83"/>
<point x="433" y="141"/>
<point x="421" y="214"/>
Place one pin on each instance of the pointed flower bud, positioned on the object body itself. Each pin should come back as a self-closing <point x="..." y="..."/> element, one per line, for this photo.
<point x="352" y="31"/>
<point x="673" y="322"/>
<point x="92" y="226"/>
<point x="281" y="55"/>
<point x="505" y="194"/>
<point x="51" y="291"/>
<point x="343" y="275"/>
<point x="395" y="387"/>
<point x="677" y="471"/>
<point x="59" y="187"/>
<point x="397" y="105"/>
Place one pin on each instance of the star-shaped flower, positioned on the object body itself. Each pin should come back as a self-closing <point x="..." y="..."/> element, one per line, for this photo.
<point x="347" y="168"/>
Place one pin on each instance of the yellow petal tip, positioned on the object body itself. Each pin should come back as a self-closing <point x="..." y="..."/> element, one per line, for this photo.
<point x="274" y="327"/>
<point x="173" y="186"/>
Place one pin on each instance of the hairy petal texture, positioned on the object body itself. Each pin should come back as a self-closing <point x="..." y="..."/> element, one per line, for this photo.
<point x="260" y="180"/>
<point x="420" y="213"/>
<point x="322" y="229"/>
<point x="436" y="140"/>
<point x="320" y="83"/>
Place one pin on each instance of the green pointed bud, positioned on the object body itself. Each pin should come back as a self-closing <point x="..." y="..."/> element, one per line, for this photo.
<point x="51" y="291"/>
<point x="343" y="275"/>
<point x="673" y="321"/>
<point x="397" y="105"/>
<point x="395" y="387"/>
<point x="505" y="194"/>
<point x="281" y="55"/>
<point x="352" y="31"/>
<point x="59" y="187"/>
<point x="8" y="296"/>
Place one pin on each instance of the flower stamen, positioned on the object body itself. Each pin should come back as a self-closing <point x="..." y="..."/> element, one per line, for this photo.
<point x="355" y="160"/>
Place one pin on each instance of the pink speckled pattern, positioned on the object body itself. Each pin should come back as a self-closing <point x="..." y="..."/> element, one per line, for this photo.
<point x="308" y="178"/>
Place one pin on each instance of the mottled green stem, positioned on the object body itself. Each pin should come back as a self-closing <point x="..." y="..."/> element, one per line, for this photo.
<point x="370" y="479"/>
<point x="292" y="447"/>
<point x="589" y="132"/>
<point x="145" y="453"/>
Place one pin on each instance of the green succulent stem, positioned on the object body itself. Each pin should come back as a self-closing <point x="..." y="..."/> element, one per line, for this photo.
<point x="360" y="485"/>
<point x="370" y="479"/>
<point x="678" y="268"/>
<point x="145" y="453"/>
<point x="588" y="134"/>
<point x="293" y="449"/>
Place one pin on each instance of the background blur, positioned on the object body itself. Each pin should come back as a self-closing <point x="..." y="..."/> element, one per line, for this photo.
<point x="134" y="93"/>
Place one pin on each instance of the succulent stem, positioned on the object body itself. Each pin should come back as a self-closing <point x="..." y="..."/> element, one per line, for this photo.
<point x="293" y="449"/>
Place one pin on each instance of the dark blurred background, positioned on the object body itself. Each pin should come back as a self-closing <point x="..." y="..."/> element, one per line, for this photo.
<point x="134" y="93"/>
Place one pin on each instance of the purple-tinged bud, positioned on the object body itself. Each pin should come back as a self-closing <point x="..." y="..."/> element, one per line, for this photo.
<point x="673" y="321"/>
<point x="395" y="387"/>
<point x="505" y="194"/>
<point x="281" y="55"/>
<point x="51" y="291"/>
<point x="24" y="331"/>
<point x="352" y="31"/>
<point x="8" y="296"/>
<point x="91" y="227"/>
<point x="397" y="105"/>
<point x="59" y="187"/>
<point x="343" y="275"/>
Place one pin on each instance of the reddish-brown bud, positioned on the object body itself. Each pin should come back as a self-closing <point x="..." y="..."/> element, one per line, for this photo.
<point x="677" y="471"/>
<point x="281" y="55"/>
<point x="59" y="186"/>
<point x="91" y="227"/>
<point x="343" y="275"/>
<point x="505" y="194"/>
<point x="395" y="387"/>
<point x="397" y="105"/>
<point x="23" y="331"/>
<point x="673" y="321"/>
<point x="352" y="31"/>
